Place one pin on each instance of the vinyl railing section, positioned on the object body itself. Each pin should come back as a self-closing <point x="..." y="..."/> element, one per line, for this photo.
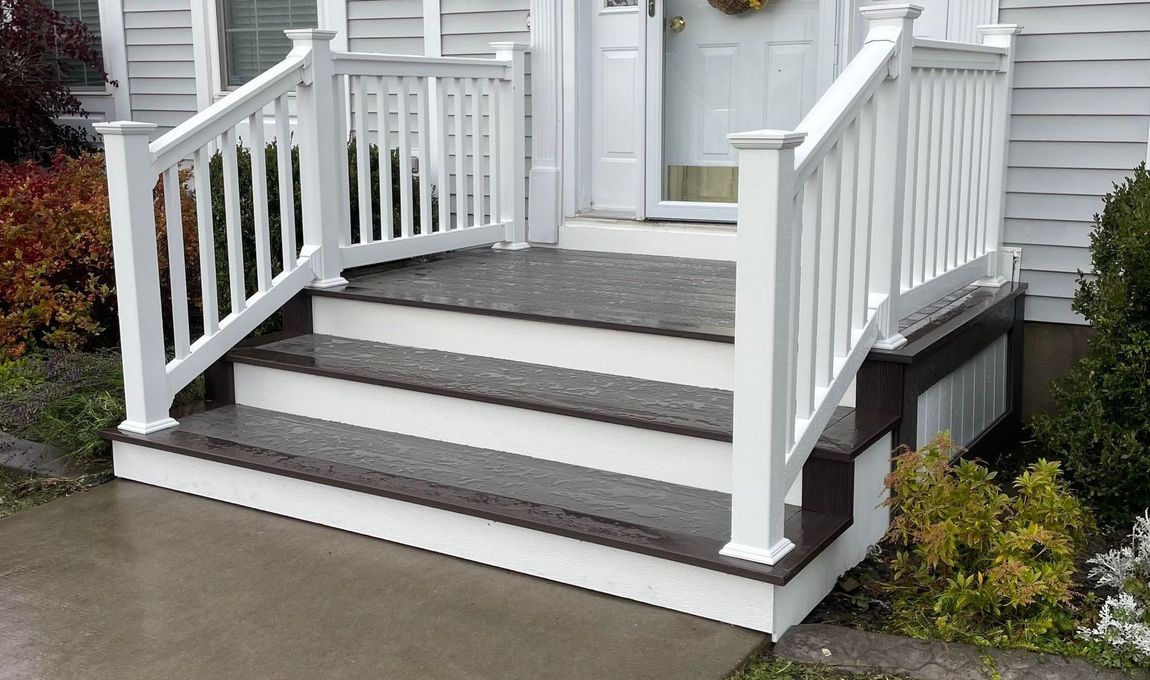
<point x="215" y="178"/>
<point x="881" y="200"/>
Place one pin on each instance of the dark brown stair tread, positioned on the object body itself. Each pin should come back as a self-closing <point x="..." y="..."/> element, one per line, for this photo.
<point x="641" y="293"/>
<point x="682" y="409"/>
<point x="669" y="521"/>
<point x="667" y="407"/>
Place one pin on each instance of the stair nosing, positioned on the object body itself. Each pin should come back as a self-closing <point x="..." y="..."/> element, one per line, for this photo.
<point x="357" y="295"/>
<point x="779" y="574"/>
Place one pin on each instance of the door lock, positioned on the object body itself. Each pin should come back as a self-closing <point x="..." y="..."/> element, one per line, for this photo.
<point x="650" y="8"/>
<point x="677" y="24"/>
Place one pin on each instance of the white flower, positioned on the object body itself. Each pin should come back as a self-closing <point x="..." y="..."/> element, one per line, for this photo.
<point x="1122" y="620"/>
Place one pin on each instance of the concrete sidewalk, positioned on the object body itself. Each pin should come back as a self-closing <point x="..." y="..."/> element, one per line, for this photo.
<point x="128" y="581"/>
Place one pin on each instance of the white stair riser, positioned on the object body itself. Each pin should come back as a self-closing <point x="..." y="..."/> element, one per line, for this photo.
<point x="639" y="355"/>
<point x="634" y="576"/>
<point x="679" y="459"/>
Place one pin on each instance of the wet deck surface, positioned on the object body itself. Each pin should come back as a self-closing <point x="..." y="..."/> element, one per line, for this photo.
<point x="662" y="295"/>
<point x="133" y="582"/>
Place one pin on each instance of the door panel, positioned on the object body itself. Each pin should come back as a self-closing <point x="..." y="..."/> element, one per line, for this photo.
<point x="719" y="74"/>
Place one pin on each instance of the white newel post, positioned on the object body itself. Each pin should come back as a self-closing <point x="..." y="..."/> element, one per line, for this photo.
<point x="316" y="130"/>
<point x="130" y="184"/>
<point x="512" y="140"/>
<point x="765" y="298"/>
<point x="1000" y="264"/>
<point x="891" y="23"/>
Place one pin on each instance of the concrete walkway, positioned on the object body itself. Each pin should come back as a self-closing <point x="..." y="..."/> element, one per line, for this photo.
<point x="128" y="581"/>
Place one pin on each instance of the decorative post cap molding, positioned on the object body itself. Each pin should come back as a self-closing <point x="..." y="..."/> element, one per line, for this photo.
<point x="999" y="29"/>
<point x="766" y="139"/>
<point x="312" y="34"/>
<point x="511" y="46"/>
<point x="124" y="128"/>
<point x="900" y="10"/>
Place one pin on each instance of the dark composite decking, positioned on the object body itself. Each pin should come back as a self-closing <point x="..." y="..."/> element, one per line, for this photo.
<point x="666" y="407"/>
<point x="661" y="295"/>
<point x="641" y="515"/>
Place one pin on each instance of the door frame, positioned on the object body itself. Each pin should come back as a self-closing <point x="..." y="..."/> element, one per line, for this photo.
<point x="651" y="203"/>
<point x="839" y="35"/>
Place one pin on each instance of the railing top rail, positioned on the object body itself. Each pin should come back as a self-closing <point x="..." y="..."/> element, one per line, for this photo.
<point x="371" y="64"/>
<point x="181" y="141"/>
<point x="932" y="53"/>
<point x="858" y="82"/>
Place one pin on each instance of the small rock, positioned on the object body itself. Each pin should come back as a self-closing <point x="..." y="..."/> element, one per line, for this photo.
<point x="849" y="584"/>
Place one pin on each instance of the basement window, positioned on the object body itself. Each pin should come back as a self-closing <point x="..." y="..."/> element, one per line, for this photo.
<point x="76" y="74"/>
<point x="253" y="34"/>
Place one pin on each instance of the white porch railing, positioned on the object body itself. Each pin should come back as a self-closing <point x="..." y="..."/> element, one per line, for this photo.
<point x="887" y="196"/>
<point x="482" y="91"/>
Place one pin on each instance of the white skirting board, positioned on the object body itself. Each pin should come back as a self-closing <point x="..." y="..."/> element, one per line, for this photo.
<point x="679" y="459"/>
<point x="668" y="239"/>
<point x="672" y="585"/>
<point x="638" y="355"/>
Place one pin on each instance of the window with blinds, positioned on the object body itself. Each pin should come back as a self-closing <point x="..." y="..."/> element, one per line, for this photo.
<point x="76" y="74"/>
<point x="253" y="37"/>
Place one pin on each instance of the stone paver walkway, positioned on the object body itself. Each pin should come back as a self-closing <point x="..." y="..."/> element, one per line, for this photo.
<point x="128" y="581"/>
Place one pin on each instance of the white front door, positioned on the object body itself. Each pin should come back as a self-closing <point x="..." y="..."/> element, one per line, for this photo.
<point x="710" y="74"/>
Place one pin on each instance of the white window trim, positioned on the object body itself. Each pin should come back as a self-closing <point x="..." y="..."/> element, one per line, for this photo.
<point x="207" y="50"/>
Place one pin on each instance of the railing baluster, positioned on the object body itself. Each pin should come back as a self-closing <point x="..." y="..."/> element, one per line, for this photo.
<point x="424" y="135"/>
<point x="487" y="92"/>
<point x="177" y="280"/>
<point x="808" y="278"/>
<point x="260" y="221"/>
<point x="406" y="210"/>
<point x="912" y="181"/>
<point x="923" y="173"/>
<point x="206" y="241"/>
<point x="860" y="287"/>
<point x="232" y="222"/>
<point x="828" y="244"/>
<point x="934" y="190"/>
<point x="844" y="247"/>
<point x="444" y="174"/>
<point x="383" y="137"/>
<point x="476" y="151"/>
<point x="946" y="173"/>
<point x="985" y="139"/>
<point x="460" y="152"/>
<point x="362" y="159"/>
<point x="286" y="185"/>
<point x="343" y="159"/>
<point x="959" y="171"/>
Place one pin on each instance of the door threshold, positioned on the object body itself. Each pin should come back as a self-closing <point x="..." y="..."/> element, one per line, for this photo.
<point x="701" y="240"/>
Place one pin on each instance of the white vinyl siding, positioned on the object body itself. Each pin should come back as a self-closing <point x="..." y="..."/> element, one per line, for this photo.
<point x="161" y="66"/>
<point x="385" y="26"/>
<point x="1081" y="120"/>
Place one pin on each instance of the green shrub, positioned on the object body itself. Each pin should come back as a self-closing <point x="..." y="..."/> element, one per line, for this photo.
<point x="1102" y="428"/>
<point x="973" y="563"/>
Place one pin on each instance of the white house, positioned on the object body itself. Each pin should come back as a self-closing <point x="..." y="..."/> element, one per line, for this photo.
<point x="578" y="402"/>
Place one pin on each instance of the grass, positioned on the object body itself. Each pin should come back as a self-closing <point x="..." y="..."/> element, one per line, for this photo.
<point x="20" y="491"/>
<point x="773" y="668"/>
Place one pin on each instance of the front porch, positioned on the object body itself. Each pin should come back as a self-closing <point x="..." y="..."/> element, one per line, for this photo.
<point x="652" y="427"/>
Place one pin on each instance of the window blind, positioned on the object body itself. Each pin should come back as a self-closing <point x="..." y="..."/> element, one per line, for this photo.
<point x="253" y="34"/>
<point x="75" y="73"/>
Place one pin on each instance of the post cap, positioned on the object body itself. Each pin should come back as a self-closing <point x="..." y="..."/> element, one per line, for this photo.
<point x="509" y="45"/>
<point x="125" y="128"/>
<point x="897" y="10"/>
<point x="999" y="29"/>
<point x="766" y="139"/>
<point x="312" y="34"/>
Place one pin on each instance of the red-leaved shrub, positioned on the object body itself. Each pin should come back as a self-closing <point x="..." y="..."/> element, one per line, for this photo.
<point x="57" y="284"/>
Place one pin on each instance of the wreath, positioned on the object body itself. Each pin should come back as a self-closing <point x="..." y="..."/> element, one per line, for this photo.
<point x="737" y="6"/>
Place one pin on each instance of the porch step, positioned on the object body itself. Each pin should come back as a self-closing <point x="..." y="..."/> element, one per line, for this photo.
<point x="663" y="319"/>
<point x="666" y="407"/>
<point x="672" y="296"/>
<point x="671" y="522"/>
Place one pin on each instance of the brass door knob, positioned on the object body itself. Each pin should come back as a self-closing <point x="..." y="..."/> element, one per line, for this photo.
<point x="677" y="24"/>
